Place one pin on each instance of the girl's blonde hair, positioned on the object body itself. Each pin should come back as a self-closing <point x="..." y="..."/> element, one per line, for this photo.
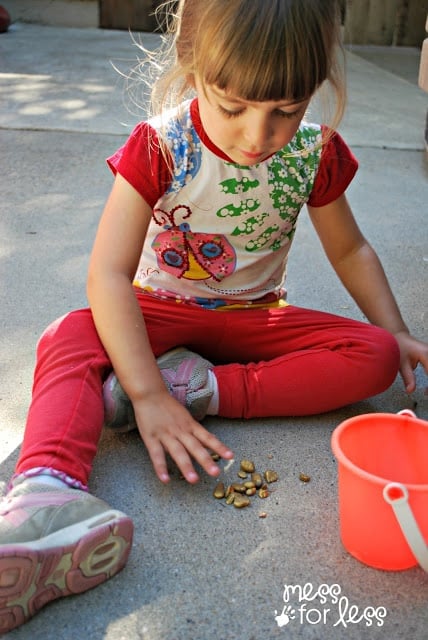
<point x="256" y="49"/>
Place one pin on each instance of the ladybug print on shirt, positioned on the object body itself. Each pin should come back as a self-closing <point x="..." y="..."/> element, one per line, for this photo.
<point x="195" y="256"/>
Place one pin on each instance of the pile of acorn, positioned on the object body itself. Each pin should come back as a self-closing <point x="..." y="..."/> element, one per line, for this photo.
<point x="251" y="483"/>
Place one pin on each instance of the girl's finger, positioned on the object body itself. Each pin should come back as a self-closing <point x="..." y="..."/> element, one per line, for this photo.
<point x="182" y="455"/>
<point x="198" y="445"/>
<point x="157" y="456"/>
<point x="212" y="443"/>
<point x="408" y="377"/>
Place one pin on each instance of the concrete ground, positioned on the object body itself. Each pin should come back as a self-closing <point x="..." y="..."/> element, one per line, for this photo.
<point x="199" y="570"/>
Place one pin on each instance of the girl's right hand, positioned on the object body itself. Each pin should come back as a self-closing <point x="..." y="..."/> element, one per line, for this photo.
<point x="167" y="427"/>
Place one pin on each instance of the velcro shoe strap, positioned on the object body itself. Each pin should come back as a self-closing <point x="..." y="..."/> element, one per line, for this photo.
<point x="179" y="379"/>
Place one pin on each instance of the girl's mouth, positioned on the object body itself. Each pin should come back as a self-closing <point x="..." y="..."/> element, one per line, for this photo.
<point x="251" y="155"/>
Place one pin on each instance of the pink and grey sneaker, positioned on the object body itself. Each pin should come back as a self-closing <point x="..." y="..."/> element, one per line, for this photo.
<point x="118" y="410"/>
<point x="55" y="542"/>
<point x="185" y="374"/>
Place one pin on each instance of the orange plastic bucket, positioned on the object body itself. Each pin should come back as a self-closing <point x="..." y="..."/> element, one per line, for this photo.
<point x="383" y="489"/>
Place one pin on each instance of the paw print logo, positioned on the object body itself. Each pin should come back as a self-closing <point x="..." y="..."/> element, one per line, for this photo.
<point x="283" y="618"/>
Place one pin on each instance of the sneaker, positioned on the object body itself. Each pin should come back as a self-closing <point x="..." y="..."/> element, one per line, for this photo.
<point x="54" y="543"/>
<point x="186" y="376"/>
<point x="118" y="410"/>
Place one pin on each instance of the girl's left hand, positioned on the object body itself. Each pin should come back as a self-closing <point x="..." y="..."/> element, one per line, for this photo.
<point x="412" y="353"/>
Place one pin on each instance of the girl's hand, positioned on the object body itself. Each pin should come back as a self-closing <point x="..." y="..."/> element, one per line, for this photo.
<point x="167" y="427"/>
<point x="412" y="352"/>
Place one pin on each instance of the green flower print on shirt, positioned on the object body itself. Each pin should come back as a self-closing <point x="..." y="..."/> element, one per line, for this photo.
<point x="238" y="186"/>
<point x="290" y="177"/>
<point x="244" y="207"/>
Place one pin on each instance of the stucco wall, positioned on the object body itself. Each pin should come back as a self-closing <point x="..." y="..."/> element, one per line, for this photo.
<point x="376" y="22"/>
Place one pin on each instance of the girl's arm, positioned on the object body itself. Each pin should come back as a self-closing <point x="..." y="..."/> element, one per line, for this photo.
<point x="362" y="274"/>
<point x="163" y="423"/>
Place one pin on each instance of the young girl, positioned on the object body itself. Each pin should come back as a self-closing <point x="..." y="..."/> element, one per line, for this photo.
<point x="186" y="290"/>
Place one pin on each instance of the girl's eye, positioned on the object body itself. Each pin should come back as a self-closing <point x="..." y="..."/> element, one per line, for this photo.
<point x="289" y="115"/>
<point x="229" y="114"/>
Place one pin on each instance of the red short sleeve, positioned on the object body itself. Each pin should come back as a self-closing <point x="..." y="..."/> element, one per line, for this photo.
<point x="338" y="166"/>
<point x="141" y="163"/>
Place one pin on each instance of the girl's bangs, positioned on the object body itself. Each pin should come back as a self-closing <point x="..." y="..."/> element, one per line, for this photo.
<point x="267" y="77"/>
<point x="280" y="71"/>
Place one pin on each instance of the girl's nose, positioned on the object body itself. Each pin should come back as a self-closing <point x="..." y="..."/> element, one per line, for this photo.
<point x="257" y="131"/>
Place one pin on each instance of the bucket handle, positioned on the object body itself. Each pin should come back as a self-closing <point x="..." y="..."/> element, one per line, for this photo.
<point x="397" y="495"/>
<point x="407" y="412"/>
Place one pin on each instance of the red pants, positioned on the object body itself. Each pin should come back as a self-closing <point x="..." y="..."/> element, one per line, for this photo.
<point x="292" y="362"/>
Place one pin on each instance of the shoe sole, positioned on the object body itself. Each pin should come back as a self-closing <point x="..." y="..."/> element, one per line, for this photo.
<point x="33" y="574"/>
<point x="167" y="355"/>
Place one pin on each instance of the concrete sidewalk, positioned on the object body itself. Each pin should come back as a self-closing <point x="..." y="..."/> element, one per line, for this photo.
<point x="198" y="570"/>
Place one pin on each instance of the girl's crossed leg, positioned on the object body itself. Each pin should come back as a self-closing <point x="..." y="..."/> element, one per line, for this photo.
<point x="296" y="361"/>
<point x="268" y="362"/>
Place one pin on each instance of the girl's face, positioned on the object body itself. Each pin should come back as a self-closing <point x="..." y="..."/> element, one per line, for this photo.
<point x="247" y="132"/>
